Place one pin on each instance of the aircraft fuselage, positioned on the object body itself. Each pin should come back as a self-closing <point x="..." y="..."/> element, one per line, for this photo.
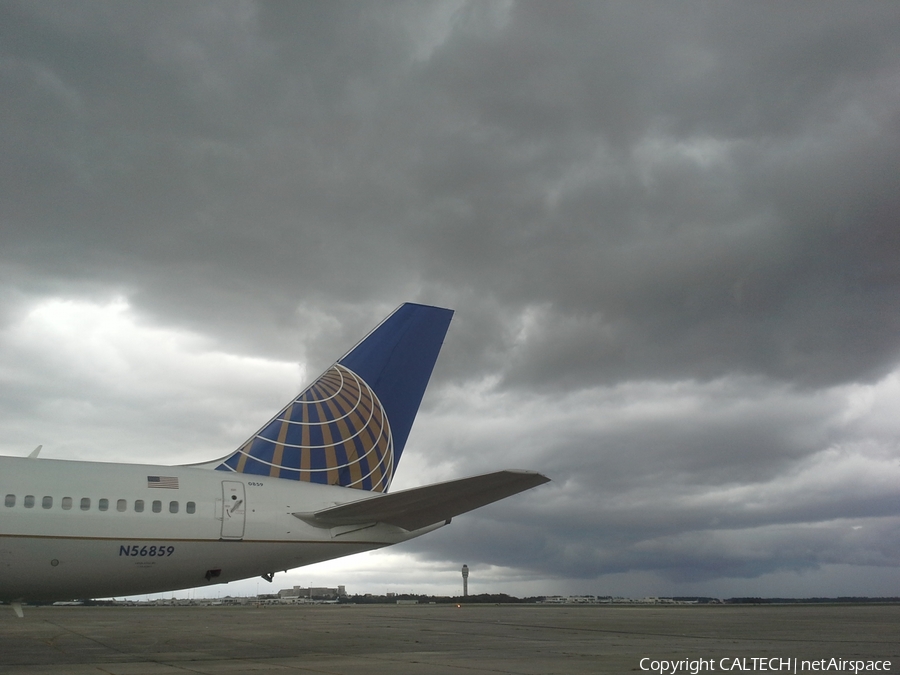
<point x="71" y="529"/>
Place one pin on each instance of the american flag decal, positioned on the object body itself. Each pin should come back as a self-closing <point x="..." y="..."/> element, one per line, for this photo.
<point x="168" y="482"/>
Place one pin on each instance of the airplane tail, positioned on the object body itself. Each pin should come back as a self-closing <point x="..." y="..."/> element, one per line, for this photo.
<point x="350" y="426"/>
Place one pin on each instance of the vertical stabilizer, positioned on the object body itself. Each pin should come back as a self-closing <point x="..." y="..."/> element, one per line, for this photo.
<point x="350" y="426"/>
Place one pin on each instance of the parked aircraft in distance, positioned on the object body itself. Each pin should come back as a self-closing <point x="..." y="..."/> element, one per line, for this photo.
<point x="310" y="485"/>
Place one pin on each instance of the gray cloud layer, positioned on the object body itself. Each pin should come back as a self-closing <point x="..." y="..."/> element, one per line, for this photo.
<point x="669" y="232"/>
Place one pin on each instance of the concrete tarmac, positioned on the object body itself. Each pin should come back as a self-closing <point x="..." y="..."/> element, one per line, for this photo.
<point x="441" y="639"/>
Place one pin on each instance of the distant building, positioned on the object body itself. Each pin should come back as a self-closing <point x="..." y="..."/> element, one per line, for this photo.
<point x="312" y="593"/>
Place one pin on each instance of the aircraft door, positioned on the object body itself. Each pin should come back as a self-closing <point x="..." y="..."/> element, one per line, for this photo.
<point x="234" y="509"/>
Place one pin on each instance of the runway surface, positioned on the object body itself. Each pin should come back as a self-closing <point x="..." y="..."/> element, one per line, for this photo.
<point x="436" y="639"/>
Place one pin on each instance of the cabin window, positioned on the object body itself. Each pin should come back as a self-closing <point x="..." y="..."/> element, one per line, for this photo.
<point x="103" y="504"/>
<point x="173" y="507"/>
<point x="10" y="500"/>
<point x="190" y="507"/>
<point x="47" y="502"/>
<point x="121" y="505"/>
<point x="66" y="503"/>
<point x="85" y="503"/>
<point x="29" y="501"/>
<point x="138" y="505"/>
<point x="157" y="506"/>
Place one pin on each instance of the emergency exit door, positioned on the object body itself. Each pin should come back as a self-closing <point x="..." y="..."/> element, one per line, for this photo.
<point x="234" y="509"/>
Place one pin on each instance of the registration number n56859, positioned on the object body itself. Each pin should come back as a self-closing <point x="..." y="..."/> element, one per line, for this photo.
<point x="144" y="551"/>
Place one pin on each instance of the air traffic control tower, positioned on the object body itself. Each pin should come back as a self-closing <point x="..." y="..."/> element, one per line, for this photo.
<point x="465" y="573"/>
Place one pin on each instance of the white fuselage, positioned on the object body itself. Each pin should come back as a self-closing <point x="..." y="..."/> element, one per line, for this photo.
<point x="87" y="529"/>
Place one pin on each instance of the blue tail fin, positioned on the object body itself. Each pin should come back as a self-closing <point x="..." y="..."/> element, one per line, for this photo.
<point x="350" y="426"/>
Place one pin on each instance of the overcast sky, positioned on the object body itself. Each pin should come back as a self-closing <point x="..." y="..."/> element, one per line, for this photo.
<point x="670" y="233"/>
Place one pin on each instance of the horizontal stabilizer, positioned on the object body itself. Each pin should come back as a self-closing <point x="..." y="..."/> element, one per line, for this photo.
<point x="419" y="507"/>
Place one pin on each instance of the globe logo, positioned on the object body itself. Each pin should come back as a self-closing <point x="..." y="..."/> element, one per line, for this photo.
<point x="336" y="433"/>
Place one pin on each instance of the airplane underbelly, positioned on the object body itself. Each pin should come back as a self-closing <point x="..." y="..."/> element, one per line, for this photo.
<point x="44" y="568"/>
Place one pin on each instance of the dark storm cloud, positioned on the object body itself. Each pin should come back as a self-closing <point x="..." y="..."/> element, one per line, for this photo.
<point x="552" y="155"/>
<point x="683" y="479"/>
<point x="687" y="185"/>
<point x="669" y="232"/>
<point x="230" y="180"/>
